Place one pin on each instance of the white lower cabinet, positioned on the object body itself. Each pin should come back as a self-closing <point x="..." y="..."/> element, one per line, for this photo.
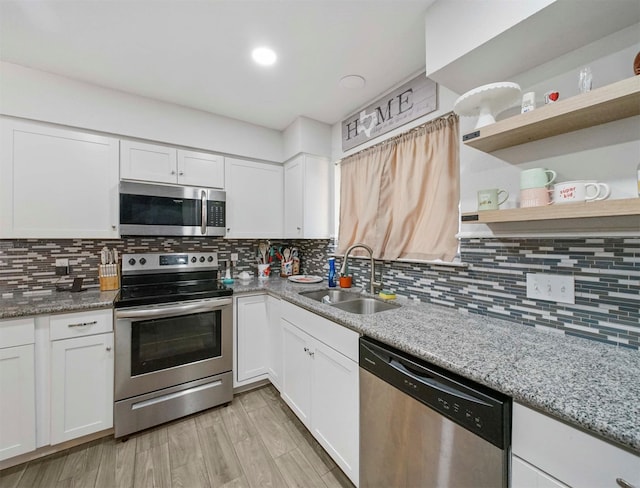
<point x="320" y="382"/>
<point x="17" y="388"/>
<point x="252" y="334"/>
<point x="550" y="453"/>
<point x="523" y="475"/>
<point x="81" y="374"/>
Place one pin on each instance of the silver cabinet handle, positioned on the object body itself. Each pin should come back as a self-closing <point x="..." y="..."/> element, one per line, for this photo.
<point x="83" y="324"/>
<point x="173" y="172"/>
<point x="306" y="349"/>
<point x="108" y="348"/>
<point x="181" y="173"/>
<point x="624" y="484"/>
<point x="113" y="227"/>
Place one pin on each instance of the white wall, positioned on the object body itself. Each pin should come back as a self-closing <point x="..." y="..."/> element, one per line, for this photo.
<point x="305" y="135"/>
<point x="479" y="21"/>
<point x="42" y="96"/>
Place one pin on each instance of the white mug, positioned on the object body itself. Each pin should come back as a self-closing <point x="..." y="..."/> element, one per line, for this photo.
<point x="490" y="199"/>
<point x="580" y="191"/>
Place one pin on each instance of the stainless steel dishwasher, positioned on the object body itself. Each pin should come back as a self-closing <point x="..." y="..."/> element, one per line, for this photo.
<point x="423" y="427"/>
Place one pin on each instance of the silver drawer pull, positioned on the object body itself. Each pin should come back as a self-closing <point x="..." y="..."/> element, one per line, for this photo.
<point x="83" y="324"/>
<point x="623" y="483"/>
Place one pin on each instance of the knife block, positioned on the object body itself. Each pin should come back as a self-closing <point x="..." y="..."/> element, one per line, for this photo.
<point x="108" y="281"/>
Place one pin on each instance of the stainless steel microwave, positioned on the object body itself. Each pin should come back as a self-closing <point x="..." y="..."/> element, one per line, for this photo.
<point x="162" y="210"/>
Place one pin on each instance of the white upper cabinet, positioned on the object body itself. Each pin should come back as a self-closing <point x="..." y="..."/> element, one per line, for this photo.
<point x="254" y="199"/>
<point x="57" y="183"/>
<point x="163" y="164"/>
<point x="307" y="198"/>
<point x="200" y="169"/>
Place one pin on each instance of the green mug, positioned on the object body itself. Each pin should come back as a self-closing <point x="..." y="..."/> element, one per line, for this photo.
<point x="490" y="199"/>
<point x="536" y="178"/>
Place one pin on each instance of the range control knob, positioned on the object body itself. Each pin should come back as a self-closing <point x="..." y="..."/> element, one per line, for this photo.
<point x="143" y="261"/>
<point x="132" y="261"/>
<point x="202" y="259"/>
<point x="194" y="259"/>
<point x="210" y="258"/>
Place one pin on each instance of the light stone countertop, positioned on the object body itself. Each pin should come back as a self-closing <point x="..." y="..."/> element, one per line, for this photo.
<point x="585" y="383"/>
<point x="56" y="302"/>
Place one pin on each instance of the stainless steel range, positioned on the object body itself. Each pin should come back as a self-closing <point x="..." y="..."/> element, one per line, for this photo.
<point x="173" y="339"/>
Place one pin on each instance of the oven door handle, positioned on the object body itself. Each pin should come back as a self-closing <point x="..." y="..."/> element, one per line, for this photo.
<point x="172" y="311"/>
<point x="203" y="201"/>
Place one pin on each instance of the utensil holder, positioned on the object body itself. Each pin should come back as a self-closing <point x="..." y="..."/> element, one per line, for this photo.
<point x="109" y="281"/>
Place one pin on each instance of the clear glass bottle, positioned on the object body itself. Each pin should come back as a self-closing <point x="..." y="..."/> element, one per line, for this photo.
<point x="584" y="84"/>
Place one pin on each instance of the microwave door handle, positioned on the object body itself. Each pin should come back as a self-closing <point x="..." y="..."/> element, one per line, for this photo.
<point x="173" y="311"/>
<point x="203" y="226"/>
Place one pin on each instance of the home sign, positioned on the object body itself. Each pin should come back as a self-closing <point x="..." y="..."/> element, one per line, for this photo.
<point x="404" y="104"/>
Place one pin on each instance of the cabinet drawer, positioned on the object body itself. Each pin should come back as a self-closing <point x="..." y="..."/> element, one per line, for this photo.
<point x="343" y="340"/>
<point x="569" y="454"/>
<point x="17" y="332"/>
<point x="81" y="324"/>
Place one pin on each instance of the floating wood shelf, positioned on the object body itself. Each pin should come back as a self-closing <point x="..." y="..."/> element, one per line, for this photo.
<point x="612" y="102"/>
<point x="604" y="208"/>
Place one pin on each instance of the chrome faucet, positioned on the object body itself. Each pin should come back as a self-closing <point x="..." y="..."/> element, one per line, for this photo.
<point x="343" y="268"/>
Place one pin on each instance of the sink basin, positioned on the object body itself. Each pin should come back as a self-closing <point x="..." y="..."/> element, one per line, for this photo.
<point x="334" y="295"/>
<point x="365" y="306"/>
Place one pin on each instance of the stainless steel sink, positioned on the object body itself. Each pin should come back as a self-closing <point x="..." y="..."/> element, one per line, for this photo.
<point x="365" y="306"/>
<point x="335" y="296"/>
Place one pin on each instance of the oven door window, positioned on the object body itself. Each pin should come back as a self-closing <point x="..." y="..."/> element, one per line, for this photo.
<point x="169" y="342"/>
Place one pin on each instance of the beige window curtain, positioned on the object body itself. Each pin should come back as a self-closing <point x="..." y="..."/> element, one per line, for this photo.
<point x="401" y="197"/>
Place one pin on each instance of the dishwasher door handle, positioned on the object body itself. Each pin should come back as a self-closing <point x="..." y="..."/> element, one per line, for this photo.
<point x="428" y="381"/>
<point x="435" y="384"/>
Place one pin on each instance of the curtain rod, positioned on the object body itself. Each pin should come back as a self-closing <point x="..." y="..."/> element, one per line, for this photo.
<point x="396" y="137"/>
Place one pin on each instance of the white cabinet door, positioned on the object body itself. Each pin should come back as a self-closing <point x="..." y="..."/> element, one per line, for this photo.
<point x="200" y="169"/>
<point x="296" y="371"/>
<point x="254" y="199"/>
<point x="293" y="198"/>
<point x="335" y="407"/>
<point x="57" y="183"/>
<point x="17" y="403"/>
<point x="81" y="386"/>
<point x="252" y="337"/>
<point x="308" y="208"/>
<point x="148" y="162"/>
<point x="523" y="475"/>
<point x="275" y="342"/>
<point x="567" y="454"/>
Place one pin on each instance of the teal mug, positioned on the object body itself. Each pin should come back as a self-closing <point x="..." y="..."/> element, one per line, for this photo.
<point x="536" y="178"/>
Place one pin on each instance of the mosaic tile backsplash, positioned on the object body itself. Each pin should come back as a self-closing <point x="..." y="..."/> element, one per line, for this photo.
<point x="493" y="283"/>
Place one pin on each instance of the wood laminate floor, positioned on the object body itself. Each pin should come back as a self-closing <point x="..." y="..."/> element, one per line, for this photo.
<point x="254" y="442"/>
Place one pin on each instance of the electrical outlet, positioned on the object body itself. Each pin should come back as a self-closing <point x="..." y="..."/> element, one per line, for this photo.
<point x="62" y="266"/>
<point x="234" y="256"/>
<point x="551" y="288"/>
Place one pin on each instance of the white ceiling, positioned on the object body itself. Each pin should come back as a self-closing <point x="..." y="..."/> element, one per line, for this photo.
<point x="198" y="53"/>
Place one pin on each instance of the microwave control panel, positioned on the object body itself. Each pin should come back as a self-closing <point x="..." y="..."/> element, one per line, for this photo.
<point x="216" y="214"/>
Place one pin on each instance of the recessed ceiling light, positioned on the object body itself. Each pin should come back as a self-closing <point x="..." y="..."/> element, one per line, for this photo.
<point x="264" y="56"/>
<point x="352" y="81"/>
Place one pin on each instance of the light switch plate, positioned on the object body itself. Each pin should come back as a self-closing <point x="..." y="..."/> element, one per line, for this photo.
<point x="551" y="287"/>
<point x="234" y="256"/>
